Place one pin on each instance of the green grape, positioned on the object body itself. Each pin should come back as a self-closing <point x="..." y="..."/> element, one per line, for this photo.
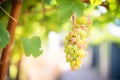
<point x="69" y="46"/>
<point x="65" y="42"/>
<point x="77" y="20"/>
<point x="78" y="38"/>
<point x="74" y="47"/>
<point x="78" y="66"/>
<point x="72" y="63"/>
<point x="71" y="51"/>
<point x="73" y="55"/>
<point x="76" y="26"/>
<point x="66" y="50"/>
<point x="81" y="20"/>
<point x="78" y="59"/>
<point x="83" y="34"/>
<point x="76" y="31"/>
<point x="76" y="42"/>
<point x="67" y="60"/>
<point x="68" y="56"/>
<point x="71" y="58"/>
<point x="79" y="51"/>
<point x="82" y="54"/>
<point x="89" y="27"/>
<point x="67" y="37"/>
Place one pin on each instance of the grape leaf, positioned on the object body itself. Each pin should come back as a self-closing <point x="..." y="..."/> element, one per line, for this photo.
<point x="63" y="4"/>
<point x="78" y="8"/>
<point x="47" y="1"/>
<point x="67" y="7"/>
<point x="95" y="2"/>
<point x="65" y="14"/>
<point x="32" y="46"/>
<point x="4" y="36"/>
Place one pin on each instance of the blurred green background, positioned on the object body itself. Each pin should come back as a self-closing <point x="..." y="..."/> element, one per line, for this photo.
<point x="50" y="20"/>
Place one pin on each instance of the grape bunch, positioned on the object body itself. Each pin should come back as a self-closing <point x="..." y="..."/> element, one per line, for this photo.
<point x="76" y="42"/>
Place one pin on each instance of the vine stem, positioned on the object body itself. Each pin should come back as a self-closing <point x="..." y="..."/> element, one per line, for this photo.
<point x="43" y="12"/>
<point x="8" y="14"/>
<point x="6" y="52"/>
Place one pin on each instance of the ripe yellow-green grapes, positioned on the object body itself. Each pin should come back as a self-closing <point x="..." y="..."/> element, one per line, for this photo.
<point x="76" y="42"/>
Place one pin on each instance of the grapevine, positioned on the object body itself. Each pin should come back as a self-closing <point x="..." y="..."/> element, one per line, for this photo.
<point x="76" y="41"/>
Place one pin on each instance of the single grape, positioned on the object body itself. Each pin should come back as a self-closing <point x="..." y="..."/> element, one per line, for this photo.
<point x="71" y="51"/>
<point x="71" y="34"/>
<point x="74" y="55"/>
<point x="69" y="46"/>
<point x="65" y="50"/>
<point x="73" y="68"/>
<point x="73" y="39"/>
<point x="68" y="56"/>
<point x="75" y="47"/>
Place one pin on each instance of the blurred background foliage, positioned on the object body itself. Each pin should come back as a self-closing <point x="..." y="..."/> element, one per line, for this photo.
<point x="39" y="17"/>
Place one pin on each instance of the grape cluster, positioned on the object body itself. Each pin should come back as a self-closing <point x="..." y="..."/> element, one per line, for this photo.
<point x="76" y="42"/>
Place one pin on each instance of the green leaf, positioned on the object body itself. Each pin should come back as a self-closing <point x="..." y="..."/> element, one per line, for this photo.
<point x="32" y="46"/>
<point x="47" y="1"/>
<point x="4" y="36"/>
<point x="95" y="2"/>
<point x="78" y="8"/>
<point x="67" y="7"/>
<point x="65" y="14"/>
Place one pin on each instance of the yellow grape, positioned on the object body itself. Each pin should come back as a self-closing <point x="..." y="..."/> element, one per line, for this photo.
<point x="67" y="56"/>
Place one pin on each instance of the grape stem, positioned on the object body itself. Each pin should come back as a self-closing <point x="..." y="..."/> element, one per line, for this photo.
<point x="73" y="20"/>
